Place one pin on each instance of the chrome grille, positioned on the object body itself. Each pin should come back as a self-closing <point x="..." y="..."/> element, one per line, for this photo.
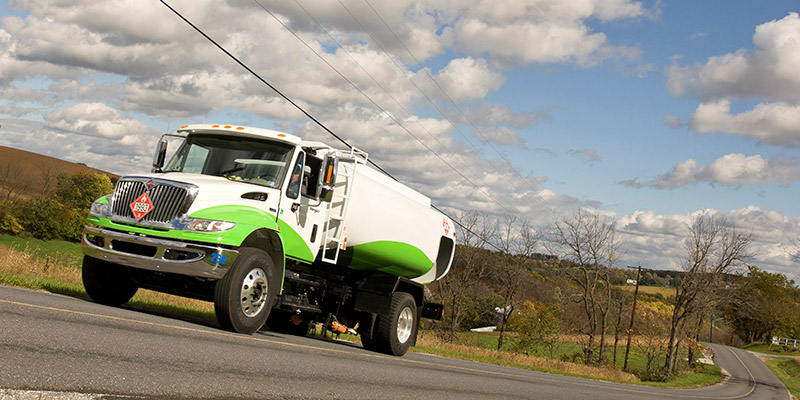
<point x="168" y="200"/>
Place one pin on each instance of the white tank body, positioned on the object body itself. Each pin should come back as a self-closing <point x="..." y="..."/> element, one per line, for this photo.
<point x="392" y="228"/>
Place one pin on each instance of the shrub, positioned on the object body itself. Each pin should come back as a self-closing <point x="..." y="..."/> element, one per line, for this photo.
<point x="63" y="214"/>
<point x="8" y="223"/>
<point x="41" y="219"/>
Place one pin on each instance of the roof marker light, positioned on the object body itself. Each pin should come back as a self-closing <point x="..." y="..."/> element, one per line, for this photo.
<point x="215" y="126"/>
<point x="185" y="126"/>
<point x="227" y="127"/>
<point x="281" y="135"/>
<point x="240" y="128"/>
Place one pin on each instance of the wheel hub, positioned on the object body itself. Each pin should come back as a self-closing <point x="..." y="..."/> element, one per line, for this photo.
<point x="254" y="292"/>
<point x="405" y="324"/>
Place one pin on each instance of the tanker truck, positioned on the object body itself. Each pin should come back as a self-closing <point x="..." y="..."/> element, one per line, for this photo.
<point x="275" y="231"/>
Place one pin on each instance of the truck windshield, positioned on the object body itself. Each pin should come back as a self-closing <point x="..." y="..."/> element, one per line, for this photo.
<point x="257" y="161"/>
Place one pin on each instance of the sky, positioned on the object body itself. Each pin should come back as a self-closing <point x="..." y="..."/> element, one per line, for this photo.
<point x="650" y="112"/>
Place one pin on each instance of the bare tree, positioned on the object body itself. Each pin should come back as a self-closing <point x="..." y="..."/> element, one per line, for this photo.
<point x="47" y="178"/>
<point x="12" y="184"/>
<point x="713" y="249"/>
<point x="509" y="275"/>
<point x="590" y="242"/>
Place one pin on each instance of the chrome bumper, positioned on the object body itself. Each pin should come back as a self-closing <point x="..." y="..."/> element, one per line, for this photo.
<point x="154" y="254"/>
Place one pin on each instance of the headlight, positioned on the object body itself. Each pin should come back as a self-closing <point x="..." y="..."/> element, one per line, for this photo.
<point x="207" y="225"/>
<point x="98" y="209"/>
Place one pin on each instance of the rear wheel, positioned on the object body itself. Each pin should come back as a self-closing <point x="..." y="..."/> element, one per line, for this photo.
<point x="395" y="331"/>
<point x="107" y="283"/>
<point x="365" y="327"/>
<point x="244" y="296"/>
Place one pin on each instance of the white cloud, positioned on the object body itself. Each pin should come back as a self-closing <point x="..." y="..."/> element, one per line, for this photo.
<point x="468" y="79"/>
<point x="113" y="133"/>
<point x="768" y="72"/>
<point x="731" y="170"/>
<point x="546" y="31"/>
<point x="655" y="240"/>
<point x="771" y="123"/>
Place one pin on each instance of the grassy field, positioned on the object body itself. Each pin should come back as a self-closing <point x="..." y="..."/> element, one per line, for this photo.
<point x="767" y="348"/>
<point x="653" y="290"/>
<point x="788" y="370"/>
<point x="54" y="266"/>
<point x="569" y="348"/>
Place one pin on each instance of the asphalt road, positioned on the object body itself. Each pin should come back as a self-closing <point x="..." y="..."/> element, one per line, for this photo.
<point x="58" y="343"/>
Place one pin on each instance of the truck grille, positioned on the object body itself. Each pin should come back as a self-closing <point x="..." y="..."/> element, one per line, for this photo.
<point x="168" y="198"/>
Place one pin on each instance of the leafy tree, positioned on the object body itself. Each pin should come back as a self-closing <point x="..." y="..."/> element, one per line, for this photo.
<point x="42" y="219"/>
<point x="762" y="305"/>
<point x="538" y="324"/>
<point x="62" y="214"/>
<point x="81" y="189"/>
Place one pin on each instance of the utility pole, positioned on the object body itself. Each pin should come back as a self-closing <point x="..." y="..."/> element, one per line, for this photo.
<point x="633" y="313"/>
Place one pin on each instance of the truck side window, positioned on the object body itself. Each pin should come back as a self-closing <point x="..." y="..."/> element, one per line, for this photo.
<point x="311" y="176"/>
<point x="295" y="180"/>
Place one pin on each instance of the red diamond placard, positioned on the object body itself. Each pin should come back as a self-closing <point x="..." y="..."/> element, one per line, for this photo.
<point x="141" y="206"/>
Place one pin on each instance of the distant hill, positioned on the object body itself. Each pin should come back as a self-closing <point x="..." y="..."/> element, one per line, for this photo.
<point x="26" y="175"/>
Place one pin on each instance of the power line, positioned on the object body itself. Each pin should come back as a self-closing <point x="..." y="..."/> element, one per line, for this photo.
<point x="248" y="69"/>
<point x="465" y="166"/>
<point x="419" y="89"/>
<point x="243" y="65"/>
<point x="489" y="142"/>
<point x="382" y="109"/>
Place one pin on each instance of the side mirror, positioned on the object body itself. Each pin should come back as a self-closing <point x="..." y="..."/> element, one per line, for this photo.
<point x="326" y="195"/>
<point x="328" y="177"/>
<point x="160" y="155"/>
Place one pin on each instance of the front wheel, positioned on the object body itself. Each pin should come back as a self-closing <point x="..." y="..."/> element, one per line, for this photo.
<point x="244" y="296"/>
<point x="396" y="331"/>
<point x="107" y="283"/>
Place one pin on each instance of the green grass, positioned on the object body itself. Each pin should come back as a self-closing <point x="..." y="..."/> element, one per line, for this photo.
<point x="703" y="375"/>
<point x="788" y="371"/>
<point x="67" y="289"/>
<point x="767" y="348"/>
<point x="489" y="360"/>
<point x="45" y="284"/>
<point x="67" y="253"/>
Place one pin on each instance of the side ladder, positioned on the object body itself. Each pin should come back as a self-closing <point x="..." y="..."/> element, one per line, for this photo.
<point x="333" y="235"/>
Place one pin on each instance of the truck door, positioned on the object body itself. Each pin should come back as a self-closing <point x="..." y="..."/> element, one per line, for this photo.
<point x="303" y="212"/>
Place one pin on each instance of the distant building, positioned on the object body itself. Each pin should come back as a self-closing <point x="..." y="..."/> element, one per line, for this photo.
<point x="631" y="281"/>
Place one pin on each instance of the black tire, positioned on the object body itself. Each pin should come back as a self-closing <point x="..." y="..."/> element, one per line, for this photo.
<point x="281" y="321"/>
<point x="395" y="331"/>
<point x="107" y="283"/>
<point x="365" y="325"/>
<point x="244" y="297"/>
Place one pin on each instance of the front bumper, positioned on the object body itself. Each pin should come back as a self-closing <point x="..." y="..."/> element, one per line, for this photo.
<point x="157" y="254"/>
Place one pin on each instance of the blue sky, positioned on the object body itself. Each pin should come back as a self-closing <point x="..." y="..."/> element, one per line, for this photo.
<point x="647" y="112"/>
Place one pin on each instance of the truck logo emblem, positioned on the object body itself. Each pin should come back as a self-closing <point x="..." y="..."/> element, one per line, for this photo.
<point x="141" y="206"/>
<point x="149" y="184"/>
<point x="446" y="227"/>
